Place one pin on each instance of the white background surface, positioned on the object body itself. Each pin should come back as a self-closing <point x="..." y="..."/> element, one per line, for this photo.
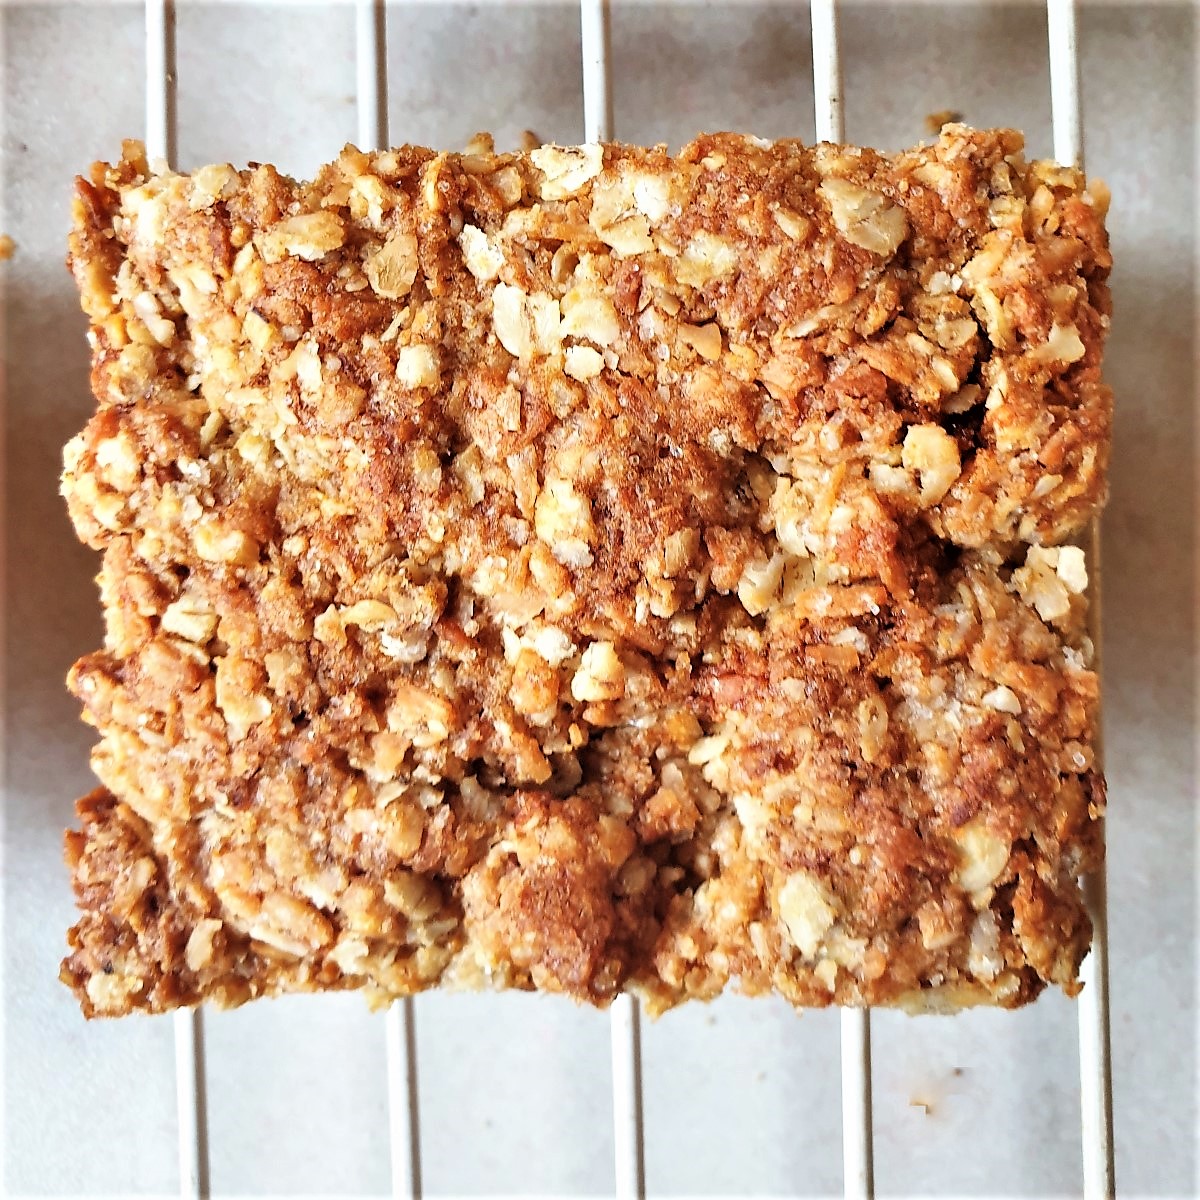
<point x="741" y="1097"/>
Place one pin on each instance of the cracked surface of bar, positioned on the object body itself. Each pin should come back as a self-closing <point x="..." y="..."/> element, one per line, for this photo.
<point x="591" y="569"/>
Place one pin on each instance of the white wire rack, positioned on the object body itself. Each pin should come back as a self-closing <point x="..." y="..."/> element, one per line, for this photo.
<point x="401" y="1033"/>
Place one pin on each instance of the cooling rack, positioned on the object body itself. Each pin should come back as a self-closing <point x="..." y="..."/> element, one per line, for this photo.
<point x="402" y="1040"/>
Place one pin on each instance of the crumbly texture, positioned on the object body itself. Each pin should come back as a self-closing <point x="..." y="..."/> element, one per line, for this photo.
<point x="590" y="570"/>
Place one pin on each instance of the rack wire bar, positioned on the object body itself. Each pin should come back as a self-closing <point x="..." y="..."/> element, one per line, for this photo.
<point x="628" y="1143"/>
<point x="400" y="1024"/>
<point x="1095" y="1049"/>
<point x="190" y="1103"/>
<point x="827" y="72"/>
<point x="1095" y="1060"/>
<point x="1062" y="30"/>
<point x="595" y="30"/>
<point x="371" y="73"/>
<point x="187" y="1024"/>
<point x="595" y="35"/>
<point x="404" y="1125"/>
<point x="858" y="1156"/>
<point x="160" y="79"/>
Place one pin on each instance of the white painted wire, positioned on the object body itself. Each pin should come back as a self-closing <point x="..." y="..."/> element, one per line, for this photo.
<point x="857" y="1143"/>
<point x="628" y="1140"/>
<point x="1095" y="1047"/>
<point x="1095" y="1060"/>
<point x="827" y="72"/>
<point x="371" y="73"/>
<point x="1064" y="82"/>
<point x="160" y="79"/>
<point x="858" y="1174"/>
<point x="595" y="35"/>
<point x="400" y="1022"/>
<point x="858" y="1155"/>
<point x="187" y="1024"/>
<point x="595" y="39"/>
<point x="404" y="1128"/>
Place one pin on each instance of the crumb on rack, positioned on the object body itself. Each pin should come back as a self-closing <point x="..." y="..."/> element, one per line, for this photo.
<point x="944" y="116"/>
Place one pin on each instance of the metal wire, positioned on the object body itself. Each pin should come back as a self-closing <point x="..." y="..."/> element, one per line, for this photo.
<point x="190" y="1106"/>
<point x="404" y="1110"/>
<point x="628" y="1135"/>
<point x="371" y="73"/>
<point x="1095" y="1048"/>
<point x="160" y="79"/>
<point x="404" y="1123"/>
<point x="827" y="72"/>
<point x="595" y="32"/>
<point x="187" y="1024"/>
<point x="858" y="1152"/>
<point x="1062" y="32"/>
<point x="595" y="36"/>
<point x="1095" y="1045"/>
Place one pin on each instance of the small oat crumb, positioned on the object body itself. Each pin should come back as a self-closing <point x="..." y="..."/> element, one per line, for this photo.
<point x="944" y="116"/>
<point x="7" y="247"/>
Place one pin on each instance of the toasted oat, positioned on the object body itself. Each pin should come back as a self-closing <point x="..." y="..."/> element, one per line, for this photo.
<point x="935" y="122"/>
<point x="588" y="569"/>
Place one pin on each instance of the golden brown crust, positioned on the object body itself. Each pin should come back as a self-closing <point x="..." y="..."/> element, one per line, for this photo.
<point x="588" y="569"/>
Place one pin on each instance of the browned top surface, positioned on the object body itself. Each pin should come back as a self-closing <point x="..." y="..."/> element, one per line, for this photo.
<point x="591" y="568"/>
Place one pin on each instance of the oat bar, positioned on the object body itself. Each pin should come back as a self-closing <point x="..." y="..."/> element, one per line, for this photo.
<point x="591" y="569"/>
